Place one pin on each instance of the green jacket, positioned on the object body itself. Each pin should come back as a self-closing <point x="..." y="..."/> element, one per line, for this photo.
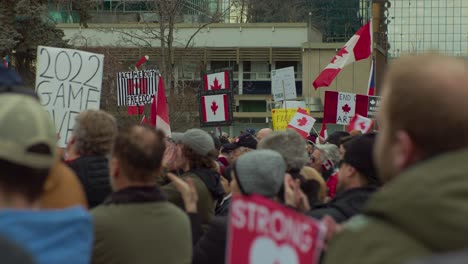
<point x="422" y="211"/>
<point x="152" y="232"/>
<point x="206" y="203"/>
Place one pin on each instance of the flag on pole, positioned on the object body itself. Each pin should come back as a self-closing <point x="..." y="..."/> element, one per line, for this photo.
<point x="144" y="120"/>
<point x="359" y="47"/>
<point x="323" y="135"/>
<point x="159" y="113"/>
<point x="141" y="61"/>
<point x="360" y="123"/>
<point x="371" y="87"/>
<point x="302" y="122"/>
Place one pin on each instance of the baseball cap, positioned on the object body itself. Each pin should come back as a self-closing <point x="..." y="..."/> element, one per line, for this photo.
<point x="246" y="140"/>
<point x="359" y="155"/>
<point x="26" y="124"/>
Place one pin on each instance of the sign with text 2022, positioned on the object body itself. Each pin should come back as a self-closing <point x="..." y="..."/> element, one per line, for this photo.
<point x="263" y="231"/>
<point x="68" y="81"/>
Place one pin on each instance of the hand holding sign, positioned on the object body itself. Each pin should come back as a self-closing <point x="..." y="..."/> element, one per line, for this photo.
<point x="68" y="82"/>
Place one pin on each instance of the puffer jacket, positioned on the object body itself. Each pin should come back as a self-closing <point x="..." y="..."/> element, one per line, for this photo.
<point x="93" y="172"/>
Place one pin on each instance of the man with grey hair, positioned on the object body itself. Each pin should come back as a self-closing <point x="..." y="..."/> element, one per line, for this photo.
<point x="325" y="158"/>
<point x="87" y="150"/>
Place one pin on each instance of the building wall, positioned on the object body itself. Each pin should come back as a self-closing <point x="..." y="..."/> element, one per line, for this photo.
<point x="214" y="36"/>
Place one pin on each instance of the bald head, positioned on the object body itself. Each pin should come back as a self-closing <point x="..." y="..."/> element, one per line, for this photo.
<point x="263" y="133"/>
<point x="426" y="96"/>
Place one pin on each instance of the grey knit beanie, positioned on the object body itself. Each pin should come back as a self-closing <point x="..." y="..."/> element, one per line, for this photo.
<point x="199" y="141"/>
<point x="260" y="172"/>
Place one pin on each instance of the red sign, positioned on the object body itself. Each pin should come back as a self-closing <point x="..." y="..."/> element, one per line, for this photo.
<point x="263" y="231"/>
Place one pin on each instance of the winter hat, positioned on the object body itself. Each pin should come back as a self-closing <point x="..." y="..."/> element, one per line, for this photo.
<point x="177" y="137"/>
<point x="359" y="155"/>
<point x="250" y="131"/>
<point x="246" y="140"/>
<point x="260" y="172"/>
<point x="199" y="141"/>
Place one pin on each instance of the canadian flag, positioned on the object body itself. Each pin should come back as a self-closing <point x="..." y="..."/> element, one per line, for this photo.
<point x="323" y="133"/>
<point x="216" y="81"/>
<point x="302" y="122"/>
<point x="141" y="61"/>
<point x="360" y="123"/>
<point x="144" y="120"/>
<point x="159" y="113"/>
<point x="359" y="47"/>
<point x="327" y="165"/>
<point x="215" y="108"/>
<point x="339" y="108"/>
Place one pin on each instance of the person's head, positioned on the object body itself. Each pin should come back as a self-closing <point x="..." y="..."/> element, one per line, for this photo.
<point x="335" y="137"/>
<point x="342" y="146"/>
<point x="27" y="150"/>
<point x="357" y="168"/>
<point x="173" y="159"/>
<point x="323" y="153"/>
<point x="423" y="112"/>
<point x="198" y="149"/>
<point x="250" y="131"/>
<point x="137" y="155"/>
<point x="262" y="133"/>
<point x="311" y="174"/>
<point x="226" y="178"/>
<point x="258" y="172"/>
<point x="93" y="133"/>
<point x="243" y="144"/>
<point x="11" y="82"/>
<point x="290" y="145"/>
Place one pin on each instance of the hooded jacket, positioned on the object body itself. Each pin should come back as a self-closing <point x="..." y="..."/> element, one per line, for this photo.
<point x="422" y="211"/>
<point x="209" y="189"/>
<point x="51" y="236"/>
<point x="345" y="205"/>
<point x="93" y="172"/>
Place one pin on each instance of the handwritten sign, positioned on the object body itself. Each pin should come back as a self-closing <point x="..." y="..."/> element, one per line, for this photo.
<point x="68" y="81"/>
<point x="262" y="231"/>
<point x="280" y="118"/>
<point x="283" y="84"/>
<point x="136" y="87"/>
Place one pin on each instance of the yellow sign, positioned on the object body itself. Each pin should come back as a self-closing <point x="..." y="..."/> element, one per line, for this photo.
<point x="281" y="117"/>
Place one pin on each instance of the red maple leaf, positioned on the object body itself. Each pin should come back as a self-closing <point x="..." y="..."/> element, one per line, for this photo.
<point x="362" y="125"/>
<point x="302" y="121"/>
<point x="340" y="53"/>
<point x="346" y="108"/>
<point x="216" y="85"/>
<point x="214" y="107"/>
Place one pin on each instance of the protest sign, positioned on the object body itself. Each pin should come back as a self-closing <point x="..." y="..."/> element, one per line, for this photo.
<point x="373" y="106"/>
<point x="341" y="107"/>
<point x="263" y="231"/>
<point x="283" y="84"/>
<point x="280" y="118"/>
<point x="136" y="88"/>
<point x="68" y="81"/>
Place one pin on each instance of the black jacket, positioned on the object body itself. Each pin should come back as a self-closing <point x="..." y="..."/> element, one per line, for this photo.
<point x="93" y="172"/>
<point x="211" y="247"/>
<point x="344" y="205"/>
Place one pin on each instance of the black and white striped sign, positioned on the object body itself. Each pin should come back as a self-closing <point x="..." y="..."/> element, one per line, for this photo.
<point x="136" y="87"/>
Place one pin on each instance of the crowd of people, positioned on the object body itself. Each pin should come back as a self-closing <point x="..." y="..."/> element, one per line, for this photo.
<point x="134" y="195"/>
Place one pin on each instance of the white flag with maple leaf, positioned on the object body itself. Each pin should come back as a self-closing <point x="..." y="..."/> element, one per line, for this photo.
<point x="215" y="108"/>
<point x="359" y="47"/>
<point x="302" y="122"/>
<point x="363" y="124"/>
<point x="216" y="81"/>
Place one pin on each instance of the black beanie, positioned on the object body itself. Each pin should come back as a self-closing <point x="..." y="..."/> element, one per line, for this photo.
<point x="358" y="154"/>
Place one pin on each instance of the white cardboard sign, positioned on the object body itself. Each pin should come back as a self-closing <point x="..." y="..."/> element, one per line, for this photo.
<point x="68" y="81"/>
<point x="283" y="84"/>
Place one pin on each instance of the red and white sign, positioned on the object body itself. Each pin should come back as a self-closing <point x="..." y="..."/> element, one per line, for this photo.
<point x="341" y="107"/>
<point x="360" y="123"/>
<point x="215" y="108"/>
<point x="302" y="122"/>
<point x="359" y="47"/>
<point x="216" y="81"/>
<point x="263" y="231"/>
<point x="159" y="112"/>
